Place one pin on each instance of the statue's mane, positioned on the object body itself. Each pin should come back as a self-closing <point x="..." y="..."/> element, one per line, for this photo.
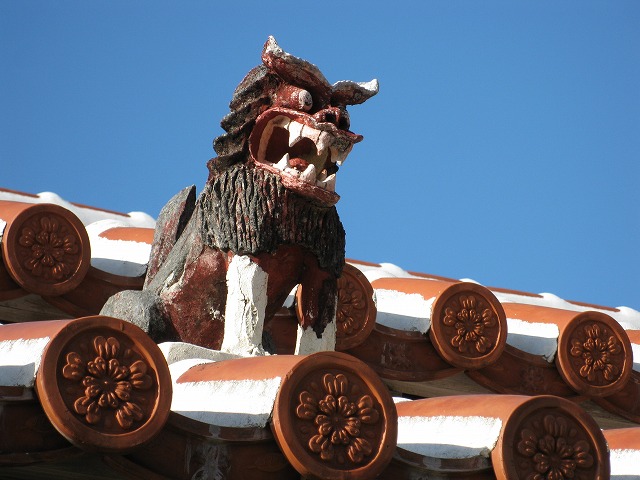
<point x="249" y="211"/>
<point x="252" y="97"/>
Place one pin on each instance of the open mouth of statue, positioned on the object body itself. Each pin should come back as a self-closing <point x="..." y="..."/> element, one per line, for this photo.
<point x="304" y="152"/>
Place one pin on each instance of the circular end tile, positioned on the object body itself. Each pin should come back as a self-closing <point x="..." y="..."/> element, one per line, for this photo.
<point x="104" y="384"/>
<point x="468" y="326"/>
<point x="356" y="310"/>
<point x="334" y="419"/>
<point x="46" y="250"/>
<point x="550" y="437"/>
<point x="594" y="355"/>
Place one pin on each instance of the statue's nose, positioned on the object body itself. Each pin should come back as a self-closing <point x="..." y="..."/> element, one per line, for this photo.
<point x="335" y="115"/>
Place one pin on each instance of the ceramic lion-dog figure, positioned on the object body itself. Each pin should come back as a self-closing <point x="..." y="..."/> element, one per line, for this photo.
<point x="224" y="263"/>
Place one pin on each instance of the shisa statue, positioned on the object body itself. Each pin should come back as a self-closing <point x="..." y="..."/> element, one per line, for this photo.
<point x="265" y="221"/>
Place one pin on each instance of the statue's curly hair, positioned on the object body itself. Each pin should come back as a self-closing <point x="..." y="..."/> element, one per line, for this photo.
<point x="252" y="97"/>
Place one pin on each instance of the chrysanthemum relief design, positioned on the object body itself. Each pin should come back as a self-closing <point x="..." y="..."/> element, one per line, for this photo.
<point x="596" y="351"/>
<point x="108" y="383"/>
<point x="533" y="380"/>
<point x="48" y="242"/>
<point x="338" y="420"/>
<point x="555" y="454"/>
<point x="351" y="305"/>
<point x="469" y="320"/>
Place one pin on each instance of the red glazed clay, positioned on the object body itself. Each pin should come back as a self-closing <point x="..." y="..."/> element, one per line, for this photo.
<point x="531" y="427"/>
<point x="45" y="247"/>
<point x="623" y="438"/>
<point x="594" y="352"/>
<point x="634" y="337"/>
<point x="104" y="384"/>
<point x="319" y="398"/>
<point x="132" y="234"/>
<point x="402" y="355"/>
<point x="625" y="402"/>
<point x="325" y="388"/>
<point x="468" y="324"/>
<point x="186" y="449"/>
<point x="521" y="373"/>
<point x="89" y="297"/>
<point x="26" y="430"/>
<point x="355" y="312"/>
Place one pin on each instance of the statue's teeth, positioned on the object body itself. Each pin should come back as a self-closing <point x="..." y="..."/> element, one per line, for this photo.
<point x="293" y="172"/>
<point x="295" y="132"/>
<point x="330" y="183"/>
<point x="339" y="156"/>
<point x="324" y="141"/>
<point x="283" y="163"/>
<point x="309" y="175"/>
<point x="311" y="133"/>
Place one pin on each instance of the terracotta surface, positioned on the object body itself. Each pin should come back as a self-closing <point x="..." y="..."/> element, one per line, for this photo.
<point x="46" y="252"/>
<point x="468" y="325"/>
<point x="518" y="372"/>
<point x="133" y="234"/>
<point x="334" y="419"/>
<point x="86" y="213"/>
<point x="355" y="311"/>
<point x="103" y="384"/>
<point x="355" y="315"/>
<point x="402" y="355"/>
<point x="89" y="297"/>
<point x="27" y="434"/>
<point x="623" y="439"/>
<point x="626" y="402"/>
<point x="409" y="466"/>
<point x="250" y="368"/>
<point x="532" y="432"/>
<point x="594" y="352"/>
<point x="186" y="449"/>
<point x="45" y="248"/>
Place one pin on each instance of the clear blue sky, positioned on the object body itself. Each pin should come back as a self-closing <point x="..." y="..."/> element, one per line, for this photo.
<point x="503" y="146"/>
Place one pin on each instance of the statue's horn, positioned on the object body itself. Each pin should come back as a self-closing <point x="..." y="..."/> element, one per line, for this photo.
<point x="347" y="92"/>
<point x="294" y="70"/>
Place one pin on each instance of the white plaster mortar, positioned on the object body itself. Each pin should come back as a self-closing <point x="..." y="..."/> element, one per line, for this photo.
<point x="535" y="338"/>
<point x="625" y="316"/>
<point x="625" y="464"/>
<point x="449" y="436"/>
<point x="403" y="311"/>
<point x="20" y="360"/>
<point x="230" y="403"/>
<point x="384" y="270"/>
<point x="177" y="351"/>
<point x="628" y="318"/>
<point x="178" y="368"/>
<point x="245" y="309"/>
<point x="86" y="215"/>
<point x="635" y="349"/>
<point x="119" y="257"/>
<point x="307" y="341"/>
<point x="397" y="400"/>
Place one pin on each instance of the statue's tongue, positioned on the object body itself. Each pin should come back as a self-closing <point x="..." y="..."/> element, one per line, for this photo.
<point x="298" y="163"/>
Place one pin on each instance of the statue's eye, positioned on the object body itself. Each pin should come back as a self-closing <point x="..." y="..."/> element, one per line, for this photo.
<point x="305" y="102"/>
<point x="295" y="98"/>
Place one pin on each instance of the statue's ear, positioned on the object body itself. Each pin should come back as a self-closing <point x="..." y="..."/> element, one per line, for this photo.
<point x="347" y="92"/>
